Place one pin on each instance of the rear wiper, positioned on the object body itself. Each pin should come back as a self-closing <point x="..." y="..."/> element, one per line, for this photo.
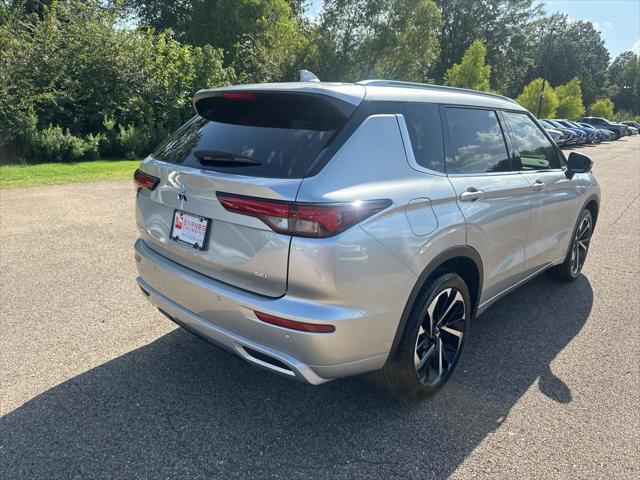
<point x="215" y="157"/>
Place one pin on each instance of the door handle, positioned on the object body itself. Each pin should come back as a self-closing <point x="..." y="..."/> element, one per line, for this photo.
<point x="538" y="186"/>
<point x="471" y="195"/>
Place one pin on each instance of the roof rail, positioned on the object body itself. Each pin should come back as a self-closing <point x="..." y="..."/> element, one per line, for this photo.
<point x="428" y="86"/>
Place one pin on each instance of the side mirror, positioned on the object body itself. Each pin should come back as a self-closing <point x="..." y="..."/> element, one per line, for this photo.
<point x="578" y="163"/>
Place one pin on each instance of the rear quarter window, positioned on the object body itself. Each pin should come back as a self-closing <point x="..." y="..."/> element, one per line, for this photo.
<point x="425" y="132"/>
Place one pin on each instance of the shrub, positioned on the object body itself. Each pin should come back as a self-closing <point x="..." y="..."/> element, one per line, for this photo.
<point x="570" y="100"/>
<point x="132" y="142"/>
<point x="601" y="108"/>
<point x="74" y="83"/>
<point x="471" y="72"/>
<point x="530" y="98"/>
<point x="54" y="143"/>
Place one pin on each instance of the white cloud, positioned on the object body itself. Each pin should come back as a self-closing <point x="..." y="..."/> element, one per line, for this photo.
<point x="636" y="47"/>
<point x="596" y="25"/>
<point x="608" y="24"/>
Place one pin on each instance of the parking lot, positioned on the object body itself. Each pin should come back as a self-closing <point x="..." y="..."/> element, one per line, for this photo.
<point x="96" y="384"/>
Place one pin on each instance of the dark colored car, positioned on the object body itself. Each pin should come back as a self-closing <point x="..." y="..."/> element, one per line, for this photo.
<point x="598" y="136"/>
<point x="619" y="128"/>
<point x="581" y="136"/>
<point x="602" y="134"/>
<point x="590" y="133"/>
<point x="571" y="136"/>
<point x="557" y="136"/>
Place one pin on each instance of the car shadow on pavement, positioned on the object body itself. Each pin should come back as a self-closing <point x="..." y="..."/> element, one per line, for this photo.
<point x="178" y="408"/>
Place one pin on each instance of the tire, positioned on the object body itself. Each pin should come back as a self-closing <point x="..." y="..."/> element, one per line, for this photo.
<point x="569" y="270"/>
<point x="429" y="352"/>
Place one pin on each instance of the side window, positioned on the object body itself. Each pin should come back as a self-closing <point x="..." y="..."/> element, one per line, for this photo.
<point x="536" y="151"/>
<point x="425" y="131"/>
<point x="477" y="142"/>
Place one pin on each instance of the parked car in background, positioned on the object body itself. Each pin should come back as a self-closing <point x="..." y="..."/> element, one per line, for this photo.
<point x="571" y="138"/>
<point x="603" y="135"/>
<point x="633" y="124"/>
<point x="620" y="129"/>
<point x="590" y="133"/>
<point x="289" y="224"/>
<point x="590" y="128"/>
<point x="632" y="130"/>
<point x="557" y="136"/>
<point x="581" y="136"/>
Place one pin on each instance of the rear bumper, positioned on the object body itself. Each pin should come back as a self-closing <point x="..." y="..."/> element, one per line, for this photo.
<point x="224" y="315"/>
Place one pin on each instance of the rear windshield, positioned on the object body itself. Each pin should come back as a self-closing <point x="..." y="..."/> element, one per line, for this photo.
<point x="256" y="134"/>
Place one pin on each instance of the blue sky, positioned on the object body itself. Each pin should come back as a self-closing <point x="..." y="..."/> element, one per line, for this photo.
<point x="618" y="20"/>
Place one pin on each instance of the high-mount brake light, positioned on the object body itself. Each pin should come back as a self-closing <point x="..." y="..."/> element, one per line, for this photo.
<point x="303" y="219"/>
<point x="294" y="325"/>
<point x="241" y="96"/>
<point x="144" y="180"/>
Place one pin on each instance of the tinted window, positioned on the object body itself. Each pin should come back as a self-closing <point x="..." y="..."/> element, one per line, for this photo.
<point x="536" y="151"/>
<point x="425" y="131"/>
<point x="477" y="142"/>
<point x="262" y="135"/>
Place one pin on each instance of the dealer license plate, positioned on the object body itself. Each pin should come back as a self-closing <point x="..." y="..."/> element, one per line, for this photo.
<point x="190" y="229"/>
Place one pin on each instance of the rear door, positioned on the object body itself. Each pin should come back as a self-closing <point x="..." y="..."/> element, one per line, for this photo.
<point x="493" y="197"/>
<point x="255" y="144"/>
<point x="554" y="198"/>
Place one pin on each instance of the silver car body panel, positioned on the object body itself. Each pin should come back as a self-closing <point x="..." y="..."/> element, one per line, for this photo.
<point x="360" y="280"/>
<point x="496" y="224"/>
<point x="224" y="315"/>
<point x="239" y="246"/>
<point x="549" y="232"/>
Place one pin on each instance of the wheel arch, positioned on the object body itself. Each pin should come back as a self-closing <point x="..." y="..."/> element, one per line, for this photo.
<point x="463" y="260"/>
<point x="592" y="204"/>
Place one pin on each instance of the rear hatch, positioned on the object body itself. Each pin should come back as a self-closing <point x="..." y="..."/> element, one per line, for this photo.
<point x="254" y="143"/>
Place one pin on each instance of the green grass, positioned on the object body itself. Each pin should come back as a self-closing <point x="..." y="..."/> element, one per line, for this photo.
<point x="15" y="176"/>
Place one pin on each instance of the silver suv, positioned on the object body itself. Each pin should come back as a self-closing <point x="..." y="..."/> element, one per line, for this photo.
<point x="324" y="230"/>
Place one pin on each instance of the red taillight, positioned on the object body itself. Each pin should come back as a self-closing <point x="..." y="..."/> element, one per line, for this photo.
<point x="241" y="96"/>
<point x="303" y="219"/>
<point x="294" y="325"/>
<point x="144" y="180"/>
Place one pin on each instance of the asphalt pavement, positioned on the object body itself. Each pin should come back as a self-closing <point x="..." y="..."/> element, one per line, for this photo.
<point x="94" y="383"/>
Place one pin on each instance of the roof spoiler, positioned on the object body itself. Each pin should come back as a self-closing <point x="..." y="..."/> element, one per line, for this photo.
<point x="335" y="93"/>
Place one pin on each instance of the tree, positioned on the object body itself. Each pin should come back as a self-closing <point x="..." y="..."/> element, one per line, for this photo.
<point x="298" y="7"/>
<point x="576" y="50"/>
<point x="245" y="30"/>
<point x="471" y="72"/>
<point x="70" y="79"/>
<point x="506" y="27"/>
<point x="530" y="98"/>
<point x="271" y="53"/>
<point x="624" y="78"/>
<point x="601" y="108"/>
<point x="570" y="100"/>
<point x="359" y="39"/>
<point x="619" y="63"/>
